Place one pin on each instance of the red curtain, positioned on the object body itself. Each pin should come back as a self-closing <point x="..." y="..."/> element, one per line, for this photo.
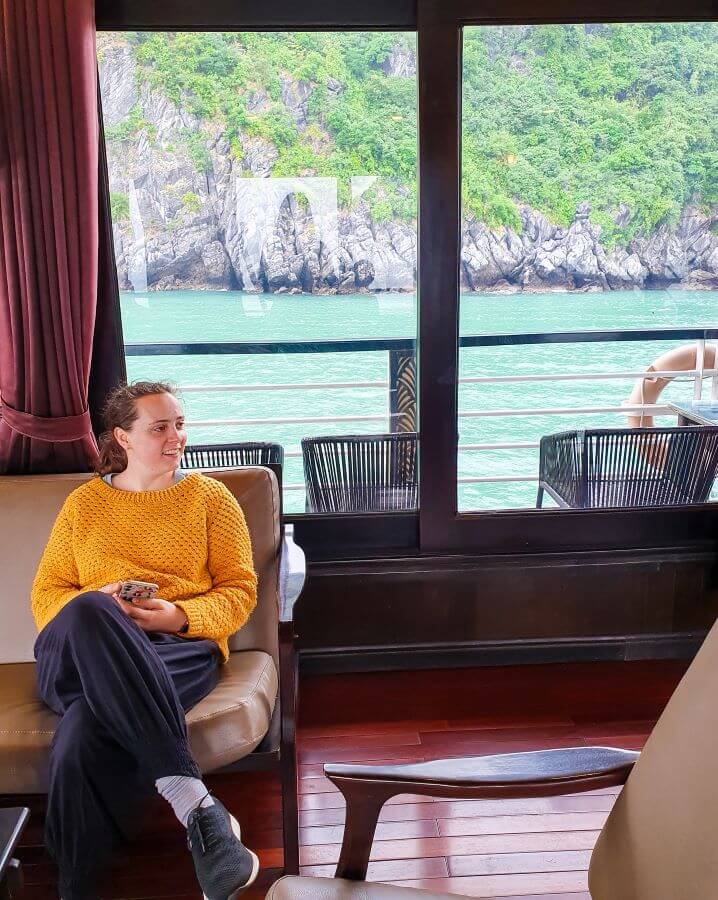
<point x="48" y="233"/>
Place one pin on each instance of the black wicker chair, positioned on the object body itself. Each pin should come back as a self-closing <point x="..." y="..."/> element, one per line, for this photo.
<point x="628" y="466"/>
<point x="361" y="473"/>
<point x="227" y="456"/>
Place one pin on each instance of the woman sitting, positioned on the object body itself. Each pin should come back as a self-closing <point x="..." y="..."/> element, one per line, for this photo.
<point x="123" y="674"/>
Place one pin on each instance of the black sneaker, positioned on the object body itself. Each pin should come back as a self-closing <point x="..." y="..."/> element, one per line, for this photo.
<point x="224" y="866"/>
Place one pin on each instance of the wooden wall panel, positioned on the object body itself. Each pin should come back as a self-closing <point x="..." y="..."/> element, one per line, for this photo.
<point x="583" y="608"/>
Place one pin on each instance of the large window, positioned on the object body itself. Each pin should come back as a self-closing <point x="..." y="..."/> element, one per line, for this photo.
<point x="589" y="203"/>
<point x="263" y="191"/>
<point x="264" y="194"/>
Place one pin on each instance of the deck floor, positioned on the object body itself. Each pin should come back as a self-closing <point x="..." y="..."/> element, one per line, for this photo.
<point x="537" y="848"/>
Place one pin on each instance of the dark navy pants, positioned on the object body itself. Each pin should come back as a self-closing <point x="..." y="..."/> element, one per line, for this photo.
<point x="122" y="694"/>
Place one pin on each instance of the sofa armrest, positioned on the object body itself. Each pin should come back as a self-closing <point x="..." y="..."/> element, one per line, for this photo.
<point x="292" y="574"/>
<point x="540" y="773"/>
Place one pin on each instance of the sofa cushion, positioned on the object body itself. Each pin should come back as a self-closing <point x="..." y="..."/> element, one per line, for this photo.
<point x="293" y="888"/>
<point x="231" y="721"/>
<point x="227" y="725"/>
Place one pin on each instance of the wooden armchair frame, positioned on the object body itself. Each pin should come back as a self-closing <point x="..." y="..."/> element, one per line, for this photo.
<point x="540" y="773"/>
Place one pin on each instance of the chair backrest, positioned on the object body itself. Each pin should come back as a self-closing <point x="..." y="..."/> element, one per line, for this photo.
<point x="222" y="456"/>
<point x="560" y="462"/>
<point x="30" y="504"/>
<point x="692" y="461"/>
<point x="649" y="466"/>
<point x="659" y="842"/>
<point x="361" y="472"/>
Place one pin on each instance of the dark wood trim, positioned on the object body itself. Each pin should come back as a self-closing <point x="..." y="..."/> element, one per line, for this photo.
<point x="702" y="553"/>
<point x="573" y="530"/>
<point x="628" y="648"/>
<point x="292" y="575"/>
<point x="439" y="85"/>
<point x="347" y="537"/>
<point x="507" y="532"/>
<point x="228" y="15"/>
<point x="288" y="688"/>
<point x="462" y="610"/>
<point x="492" y="12"/>
<point x="254" y="15"/>
<point x="387" y="536"/>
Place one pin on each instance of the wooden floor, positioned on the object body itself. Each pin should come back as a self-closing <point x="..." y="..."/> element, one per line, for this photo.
<point x="501" y="849"/>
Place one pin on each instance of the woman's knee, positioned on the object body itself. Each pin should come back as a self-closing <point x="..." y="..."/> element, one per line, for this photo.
<point x="89" y="607"/>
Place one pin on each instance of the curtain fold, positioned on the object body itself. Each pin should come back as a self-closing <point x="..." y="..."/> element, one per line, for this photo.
<point x="48" y="233"/>
<point x="108" y="349"/>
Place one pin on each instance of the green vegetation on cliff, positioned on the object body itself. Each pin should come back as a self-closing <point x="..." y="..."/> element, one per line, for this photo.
<point x="612" y="114"/>
<point x="622" y="116"/>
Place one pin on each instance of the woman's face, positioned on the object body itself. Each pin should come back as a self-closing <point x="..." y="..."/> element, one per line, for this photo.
<point x="157" y="438"/>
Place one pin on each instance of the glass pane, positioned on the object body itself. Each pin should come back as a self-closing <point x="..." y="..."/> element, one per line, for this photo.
<point x="590" y="200"/>
<point x="263" y="191"/>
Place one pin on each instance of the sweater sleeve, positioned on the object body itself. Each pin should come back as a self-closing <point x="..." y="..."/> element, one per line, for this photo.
<point x="56" y="581"/>
<point x="225" y="608"/>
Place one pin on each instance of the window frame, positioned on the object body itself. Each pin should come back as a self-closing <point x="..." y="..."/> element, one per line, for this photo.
<point x="442" y="528"/>
<point x="438" y="527"/>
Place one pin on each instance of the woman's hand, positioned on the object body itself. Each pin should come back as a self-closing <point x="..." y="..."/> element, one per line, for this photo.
<point x="112" y="589"/>
<point x="155" y="615"/>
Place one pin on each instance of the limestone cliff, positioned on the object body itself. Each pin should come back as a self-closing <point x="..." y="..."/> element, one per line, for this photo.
<point x="194" y="211"/>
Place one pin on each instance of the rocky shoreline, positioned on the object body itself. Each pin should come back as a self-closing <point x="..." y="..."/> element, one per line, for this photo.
<point x="193" y="212"/>
<point x="361" y="257"/>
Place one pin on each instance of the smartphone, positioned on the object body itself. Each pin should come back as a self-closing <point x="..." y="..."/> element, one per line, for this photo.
<point x="137" y="590"/>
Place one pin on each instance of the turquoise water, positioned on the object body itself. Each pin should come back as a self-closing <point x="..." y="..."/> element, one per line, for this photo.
<point x="233" y="316"/>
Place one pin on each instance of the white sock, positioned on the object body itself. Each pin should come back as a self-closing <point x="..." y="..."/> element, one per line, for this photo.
<point x="184" y="794"/>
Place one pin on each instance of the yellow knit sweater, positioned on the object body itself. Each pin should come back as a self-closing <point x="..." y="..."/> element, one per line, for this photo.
<point x="190" y="539"/>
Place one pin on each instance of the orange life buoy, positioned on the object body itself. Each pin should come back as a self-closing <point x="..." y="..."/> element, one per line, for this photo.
<point x="648" y="389"/>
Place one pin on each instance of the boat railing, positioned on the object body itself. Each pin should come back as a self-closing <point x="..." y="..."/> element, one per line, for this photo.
<point x="402" y="350"/>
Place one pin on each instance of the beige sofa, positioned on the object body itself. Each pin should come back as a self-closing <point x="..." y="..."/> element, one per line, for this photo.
<point x="238" y="717"/>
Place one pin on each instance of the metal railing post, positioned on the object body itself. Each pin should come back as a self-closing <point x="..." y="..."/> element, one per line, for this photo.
<point x="402" y="390"/>
<point x="700" y="365"/>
